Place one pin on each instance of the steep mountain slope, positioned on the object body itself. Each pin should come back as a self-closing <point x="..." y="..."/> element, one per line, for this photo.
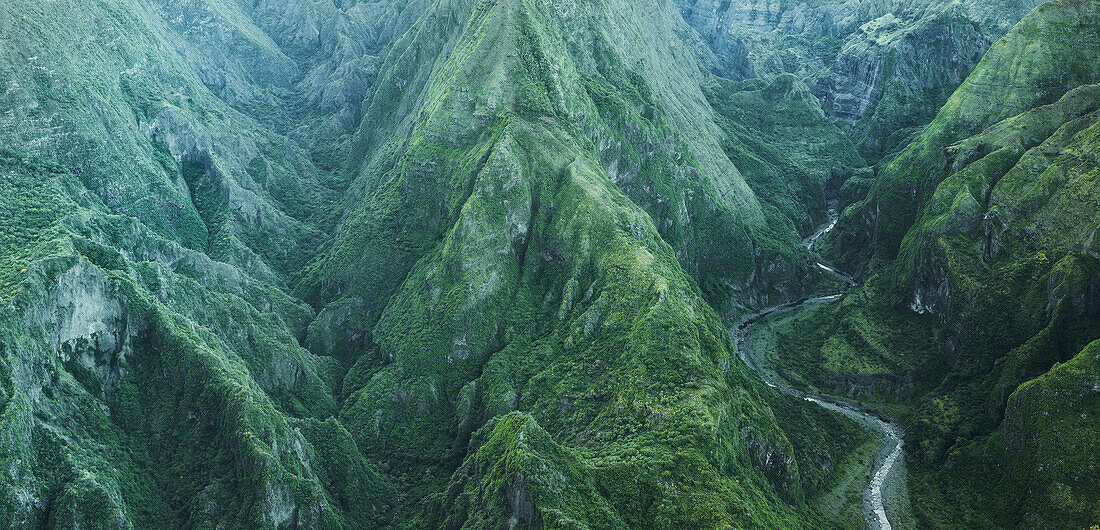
<point x="986" y="224"/>
<point x="508" y="272"/>
<point x="633" y="102"/>
<point x="138" y="385"/>
<point x="881" y="69"/>
<point x="793" y="157"/>
<point x="393" y="263"/>
<point x="149" y="353"/>
<point x="147" y="134"/>
<point x="470" y="263"/>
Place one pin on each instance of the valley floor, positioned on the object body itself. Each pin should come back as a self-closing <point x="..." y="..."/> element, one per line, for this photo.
<point x="882" y="477"/>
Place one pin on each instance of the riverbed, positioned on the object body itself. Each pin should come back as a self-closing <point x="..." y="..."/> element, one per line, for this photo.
<point x="890" y="455"/>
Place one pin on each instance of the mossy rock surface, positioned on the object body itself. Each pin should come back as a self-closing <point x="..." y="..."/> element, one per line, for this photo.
<point x="472" y="263"/>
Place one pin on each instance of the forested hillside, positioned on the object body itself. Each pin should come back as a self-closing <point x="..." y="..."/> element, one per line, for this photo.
<point x="477" y="263"/>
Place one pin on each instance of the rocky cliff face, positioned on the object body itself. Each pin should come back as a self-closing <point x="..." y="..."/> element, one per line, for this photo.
<point x="518" y="237"/>
<point x="879" y="68"/>
<point x="986" y="221"/>
<point x="154" y="201"/>
<point x="335" y="264"/>
<point x="464" y="263"/>
<point x="1047" y="442"/>
<point x="141" y="377"/>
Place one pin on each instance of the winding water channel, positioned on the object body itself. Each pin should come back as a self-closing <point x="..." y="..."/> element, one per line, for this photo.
<point x="890" y="453"/>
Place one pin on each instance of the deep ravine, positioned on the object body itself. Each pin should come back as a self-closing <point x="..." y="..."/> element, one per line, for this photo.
<point x="890" y="453"/>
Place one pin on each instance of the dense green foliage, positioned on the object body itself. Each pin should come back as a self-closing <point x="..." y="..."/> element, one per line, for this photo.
<point x="533" y="283"/>
<point x="136" y="395"/>
<point x="880" y="69"/>
<point x="986" y="225"/>
<point x="488" y="230"/>
<point x="790" y="153"/>
<point x="472" y="263"/>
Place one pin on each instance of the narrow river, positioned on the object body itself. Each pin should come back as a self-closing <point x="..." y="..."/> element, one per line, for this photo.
<point x="890" y="453"/>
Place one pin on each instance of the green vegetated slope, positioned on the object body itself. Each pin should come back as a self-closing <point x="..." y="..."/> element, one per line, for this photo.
<point x="790" y="153"/>
<point x="151" y="372"/>
<point x="102" y="88"/>
<point x="139" y="385"/>
<point x="394" y="264"/>
<point x="531" y="348"/>
<point x="982" y="279"/>
<point x="861" y="346"/>
<point x="881" y="69"/>
<point x="641" y="112"/>
<point x="891" y="75"/>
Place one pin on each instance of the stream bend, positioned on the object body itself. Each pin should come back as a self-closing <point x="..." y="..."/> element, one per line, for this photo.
<point x="890" y="453"/>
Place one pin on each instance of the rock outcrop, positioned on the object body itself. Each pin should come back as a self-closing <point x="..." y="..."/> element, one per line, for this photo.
<point x="879" y="68"/>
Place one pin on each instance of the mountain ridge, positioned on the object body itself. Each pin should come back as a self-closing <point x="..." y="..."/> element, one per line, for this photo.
<point x="472" y="263"/>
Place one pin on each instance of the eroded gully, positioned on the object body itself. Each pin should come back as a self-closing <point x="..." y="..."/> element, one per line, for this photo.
<point x="890" y="454"/>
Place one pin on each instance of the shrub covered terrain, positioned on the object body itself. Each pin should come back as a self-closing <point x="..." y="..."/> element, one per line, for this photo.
<point x="387" y="264"/>
<point x="982" y="286"/>
<point x="473" y="263"/>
